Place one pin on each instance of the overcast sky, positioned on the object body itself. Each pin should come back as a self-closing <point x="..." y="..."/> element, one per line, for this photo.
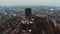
<point x="29" y="2"/>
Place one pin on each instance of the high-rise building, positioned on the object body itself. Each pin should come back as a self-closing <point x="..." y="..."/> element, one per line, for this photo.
<point x="28" y="13"/>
